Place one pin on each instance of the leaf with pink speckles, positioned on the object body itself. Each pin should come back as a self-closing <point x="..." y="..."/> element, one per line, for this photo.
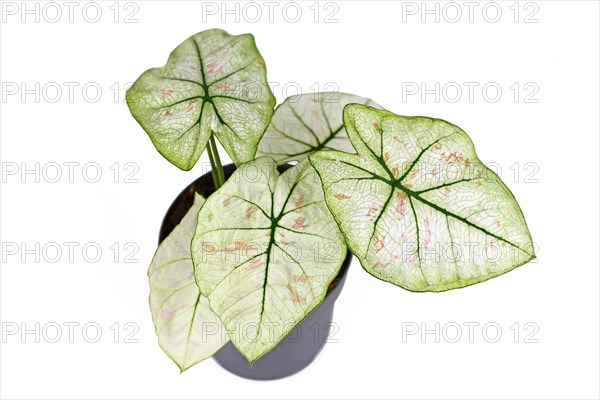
<point x="213" y="83"/>
<point x="306" y="123"/>
<point x="417" y="206"/>
<point x="188" y="331"/>
<point x="265" y="250"/>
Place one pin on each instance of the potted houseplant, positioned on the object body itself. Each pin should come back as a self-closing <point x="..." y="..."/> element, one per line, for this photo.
<point x="254" y="250"/>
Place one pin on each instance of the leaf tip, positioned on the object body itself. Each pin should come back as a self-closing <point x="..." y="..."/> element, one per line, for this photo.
<point x="350" y="110"/>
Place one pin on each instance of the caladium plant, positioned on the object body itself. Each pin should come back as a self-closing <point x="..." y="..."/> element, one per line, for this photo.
<point x="214" y="84"/>
<point x="306" y="123"/>
<point x="408" y="196"/>
<point x="415" y="189"/>
<point x="180" y="310"/>
<point x="289" y="250"/>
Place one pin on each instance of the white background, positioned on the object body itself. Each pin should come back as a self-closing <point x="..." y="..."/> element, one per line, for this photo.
<point x="370" y="51"/>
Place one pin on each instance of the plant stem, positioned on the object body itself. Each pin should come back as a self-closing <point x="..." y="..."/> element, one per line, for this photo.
<point x="215" y="163"/>
<point x="213" y="143"/>
<point x="213" y="170"/>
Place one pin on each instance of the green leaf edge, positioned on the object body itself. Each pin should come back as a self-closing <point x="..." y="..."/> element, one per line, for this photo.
<point x="385" y="114"/>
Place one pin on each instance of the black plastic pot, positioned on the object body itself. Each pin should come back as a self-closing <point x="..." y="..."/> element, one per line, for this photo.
<point x="299" y="348"/>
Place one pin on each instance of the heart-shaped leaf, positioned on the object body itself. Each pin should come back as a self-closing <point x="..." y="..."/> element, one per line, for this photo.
<point x="306" y="123"/>
<point x="188" y="331"/>
<point x="416" y="205"/>
<point x="212" y="83"/>
<point x="265" y="250"/>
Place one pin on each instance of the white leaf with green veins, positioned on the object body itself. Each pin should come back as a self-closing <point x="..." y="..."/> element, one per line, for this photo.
<point x="416" y="205"/>
<point x="265" y="250"/>
<point x="306" y="123"/>
<point x="188" y="331"/>
<point x="212" y="82"/>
